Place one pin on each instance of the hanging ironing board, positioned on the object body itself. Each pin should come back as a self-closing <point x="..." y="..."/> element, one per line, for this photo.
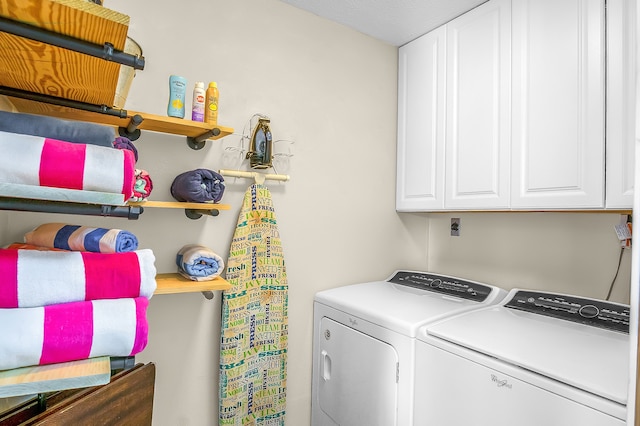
<point x="253" y="347"/>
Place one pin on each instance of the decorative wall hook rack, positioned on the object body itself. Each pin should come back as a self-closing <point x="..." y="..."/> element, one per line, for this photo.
<point x="258" y="177"/>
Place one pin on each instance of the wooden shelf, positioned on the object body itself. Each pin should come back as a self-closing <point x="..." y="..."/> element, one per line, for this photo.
<point x="151" y="122"/>
<point x="54" y="377"/>
<point x="176" y="283"/>
<point x="192" y="210"/>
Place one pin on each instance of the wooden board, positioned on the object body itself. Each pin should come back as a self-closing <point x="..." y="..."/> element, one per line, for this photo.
<point x="151" y="122"/>
<point x="176" y="283"/>
<point x="42" y="68"/>
<point x="54" y="377"/>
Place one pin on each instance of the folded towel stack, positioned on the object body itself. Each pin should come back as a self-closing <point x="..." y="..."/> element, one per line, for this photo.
<point x="39" y="161"/>
<point x="59" y="305"/>
<point x="30" y="278"/>
<point x="82" y="238"/>
<point x="72" y="331"/>
<point x="199" y="263"/>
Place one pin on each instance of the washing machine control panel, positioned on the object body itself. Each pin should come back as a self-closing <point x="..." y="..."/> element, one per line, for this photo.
<point x="597" y="313"/>
<point x="443" y="284"/>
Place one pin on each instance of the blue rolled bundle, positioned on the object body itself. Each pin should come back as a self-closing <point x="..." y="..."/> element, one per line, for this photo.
<point x="198" y="263"/>
<point x="198" y="186"/>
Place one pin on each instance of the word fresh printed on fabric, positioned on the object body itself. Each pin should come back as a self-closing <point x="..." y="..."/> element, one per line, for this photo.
<point x="253" y="349"/>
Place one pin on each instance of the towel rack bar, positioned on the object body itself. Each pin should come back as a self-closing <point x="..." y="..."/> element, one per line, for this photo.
<point x="40" y="206"/>
<point x="106" y="51"/>
<point x="254" y="175"/>
<point x="54" y="100"/>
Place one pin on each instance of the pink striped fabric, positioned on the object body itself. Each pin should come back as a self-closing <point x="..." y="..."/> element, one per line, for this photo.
<point x="30" y="278"/>
<point x="68" y="332"/>
<point x="142" y="326"/>
<point x="33" y="160"/>
<point x="72" y="331"/>
<point x="129" y="173"/>
<point x="9" y="274"/>
<point x="62" y="164"/>
<point x="104" y="275"/>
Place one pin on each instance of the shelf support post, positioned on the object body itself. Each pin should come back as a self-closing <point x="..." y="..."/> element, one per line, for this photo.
<point x="197" y="214"/>
<point x="132" y="132"/>
<point x="199" y="141"/>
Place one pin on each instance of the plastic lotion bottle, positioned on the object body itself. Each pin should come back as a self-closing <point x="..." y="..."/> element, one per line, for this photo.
<point x="177" y="90"/>
<point x="211" y="104"/>
<point x="197" y="107"/>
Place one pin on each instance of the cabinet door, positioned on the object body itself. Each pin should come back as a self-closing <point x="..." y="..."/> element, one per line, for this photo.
<point x="478" y="116"/>
<point x="558" y="104"/>
<point x="621" y="59"/>
<point x="420" y="156"/>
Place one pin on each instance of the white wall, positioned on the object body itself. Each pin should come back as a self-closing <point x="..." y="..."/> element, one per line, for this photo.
<point x="333" y="92"/>
<point x="329" y="89"/>
<point x="575" y="253"/>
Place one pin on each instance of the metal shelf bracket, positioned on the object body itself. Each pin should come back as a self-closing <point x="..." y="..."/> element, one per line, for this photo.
<point x="199" y="141"/>
<point x="132" y="132"/>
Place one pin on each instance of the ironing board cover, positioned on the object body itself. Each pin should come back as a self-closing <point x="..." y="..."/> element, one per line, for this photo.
<point x="253" y="348"/>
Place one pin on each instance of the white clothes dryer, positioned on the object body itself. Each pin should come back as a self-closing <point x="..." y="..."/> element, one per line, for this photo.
<point x="364" y="343"/>
<point x="536" y="358"/>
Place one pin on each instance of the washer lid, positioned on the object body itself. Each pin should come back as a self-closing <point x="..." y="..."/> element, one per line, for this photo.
<point x="579" y="354"/>
<point x="410" y="299"/>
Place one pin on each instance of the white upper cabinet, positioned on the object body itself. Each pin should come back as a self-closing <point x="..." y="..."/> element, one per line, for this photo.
<point x="558" y="133"/>
<point x="420" y="156"/>
<point x="517" y="104"/>
<point x="478" y="115"/>
<point x="621" y="60"/>
<point x="466" y="63"/>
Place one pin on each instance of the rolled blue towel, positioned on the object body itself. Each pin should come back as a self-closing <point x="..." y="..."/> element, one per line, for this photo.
<point x="198" y="186"/>
<point x="198" y="263"/>
<point x="55" y="128"/>
<point x="82" y="238"/>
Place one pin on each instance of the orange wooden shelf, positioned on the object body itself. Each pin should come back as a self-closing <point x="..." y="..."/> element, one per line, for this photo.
<point x="176" y="283"/>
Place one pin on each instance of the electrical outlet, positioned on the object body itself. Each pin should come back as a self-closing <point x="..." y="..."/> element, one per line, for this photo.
<point x="623" y="231"/>
<point x="455" y="226"/>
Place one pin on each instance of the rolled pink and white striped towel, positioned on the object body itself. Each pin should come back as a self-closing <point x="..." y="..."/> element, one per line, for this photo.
<point x="72" y="331"/>
<point x="34" y="160"/>
<point x="30" y="278"/>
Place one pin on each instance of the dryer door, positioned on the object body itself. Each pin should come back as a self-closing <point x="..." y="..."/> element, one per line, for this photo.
<point x="358" y="377"/>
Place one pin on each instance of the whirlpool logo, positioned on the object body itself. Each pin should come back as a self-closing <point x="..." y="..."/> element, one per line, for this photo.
<point x="500" y="383"/>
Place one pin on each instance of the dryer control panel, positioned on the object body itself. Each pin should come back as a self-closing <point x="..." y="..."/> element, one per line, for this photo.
<point x="597" y="313"/>
<point x="443" y="284"/>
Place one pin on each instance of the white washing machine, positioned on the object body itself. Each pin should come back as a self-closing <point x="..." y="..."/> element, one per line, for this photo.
<point x="364" y="343"/>
<point x="536" y="358"/>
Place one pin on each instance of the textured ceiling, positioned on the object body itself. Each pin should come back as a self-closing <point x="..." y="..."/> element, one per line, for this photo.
<point x="393" y="21"/>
